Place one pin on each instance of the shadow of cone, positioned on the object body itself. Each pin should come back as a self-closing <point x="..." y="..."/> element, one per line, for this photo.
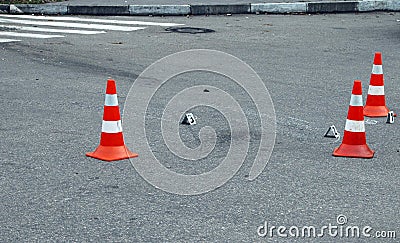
<point x="354" y="142"/>
<point x="112" y="146"/>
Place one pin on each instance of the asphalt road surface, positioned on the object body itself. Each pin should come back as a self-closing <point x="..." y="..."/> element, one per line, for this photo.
<point x="52" y="94"/>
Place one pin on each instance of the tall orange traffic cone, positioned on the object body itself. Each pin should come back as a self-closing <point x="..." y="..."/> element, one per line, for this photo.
<point x="376" y="103"/>
<point x="112" y="146"/>
<point x="354" y="138"/>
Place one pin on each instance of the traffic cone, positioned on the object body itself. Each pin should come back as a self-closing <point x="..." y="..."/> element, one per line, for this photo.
<point x="112" y="146"/>
<point x="376" y="104"/>
<point x="354" y="138"/>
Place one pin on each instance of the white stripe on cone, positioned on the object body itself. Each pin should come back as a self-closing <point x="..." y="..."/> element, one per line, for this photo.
<point x="111" y="100"/>
<point x="111" y="126"/>
<point x="356" y="100"/>
<point x="354" y="126"/>
<point x="377" y="69"/>
<point x="376" y="90"/>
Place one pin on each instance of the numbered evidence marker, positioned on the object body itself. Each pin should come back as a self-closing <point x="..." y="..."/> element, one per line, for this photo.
<point x="390" y="117"/>
<point x="189" y="119"/>
<point x="332" y="132"/>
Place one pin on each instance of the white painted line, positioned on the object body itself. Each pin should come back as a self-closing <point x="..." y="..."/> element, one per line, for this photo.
<point x="111" y="100"/>
<point x="377" y="69"/>
<point x="38" y="29"/>
<point x="104" y="21"/>
<point x="354" y="126"/>
<point x="374" y="90"/>
<point x="111" y="126"/>
<point x="71" y="25"/>
<point x="356" y="100"/>
<point x="29" y="35"/>
<point x="7" y="40"/>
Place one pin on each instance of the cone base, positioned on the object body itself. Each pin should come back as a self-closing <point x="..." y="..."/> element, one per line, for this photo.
<point x="376" y="111"/>
<point x="112" y="153"/>
<point x="354" y="151"/>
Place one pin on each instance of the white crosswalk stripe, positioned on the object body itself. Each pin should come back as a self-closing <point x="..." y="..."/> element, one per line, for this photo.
<point x="7" y="40"/>
<point x="20" y="26"/>
<point x="103" y="21"/>
<point x="40" y="36"/>
<point x="37" y="29"/>
<point x="71" y="25"/>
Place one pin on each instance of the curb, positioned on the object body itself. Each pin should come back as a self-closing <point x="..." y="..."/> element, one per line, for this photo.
<point x="159" y="9"/>
<point x="220" y="9"/>
<point x="279" y="8"/>
<point x="205" y="9"/>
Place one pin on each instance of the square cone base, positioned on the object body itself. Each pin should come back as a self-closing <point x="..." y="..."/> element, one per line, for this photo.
<point x="376" y="111"/>
<point x="354" y="151"/>
<point x="112" y="153"/>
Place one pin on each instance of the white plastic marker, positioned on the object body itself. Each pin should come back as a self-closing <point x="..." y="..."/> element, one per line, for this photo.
<point x="332" y="132"/>
<point x="70" y="25"/>
<point x="38" y="29"/>
<point x="390" y="117"/>
<point x="104" y="21"/>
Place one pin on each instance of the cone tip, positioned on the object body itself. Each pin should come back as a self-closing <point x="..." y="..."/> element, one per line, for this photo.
<point x="111" y="87"/>
<point x="357" y="87"/>
<point x="378" y="58"/>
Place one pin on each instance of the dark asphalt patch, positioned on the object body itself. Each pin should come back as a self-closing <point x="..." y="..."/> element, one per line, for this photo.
<point x="189" y="30"/>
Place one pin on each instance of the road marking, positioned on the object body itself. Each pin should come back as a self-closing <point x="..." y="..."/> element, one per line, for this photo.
<point x="40" y="36"/>
<point x="71" y="25"/>
<point x="12" y="25"/>
<point x="7" y="40"/>
<point x="69" y="31"/>
<point x="104" y="21"/>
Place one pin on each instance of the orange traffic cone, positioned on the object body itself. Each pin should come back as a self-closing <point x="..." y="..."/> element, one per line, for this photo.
<point x="376" y="104"/>
<point x="354" y="138"/>
<point x="112" y="146"/>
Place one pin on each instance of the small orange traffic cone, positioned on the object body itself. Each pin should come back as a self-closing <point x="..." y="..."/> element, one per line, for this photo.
<point x="376" y="103"/>
<point x="112" y="146"/>
<point x="354" y="138"/>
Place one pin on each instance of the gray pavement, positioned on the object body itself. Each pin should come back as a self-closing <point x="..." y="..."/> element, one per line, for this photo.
<point x="52" y="103"/>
